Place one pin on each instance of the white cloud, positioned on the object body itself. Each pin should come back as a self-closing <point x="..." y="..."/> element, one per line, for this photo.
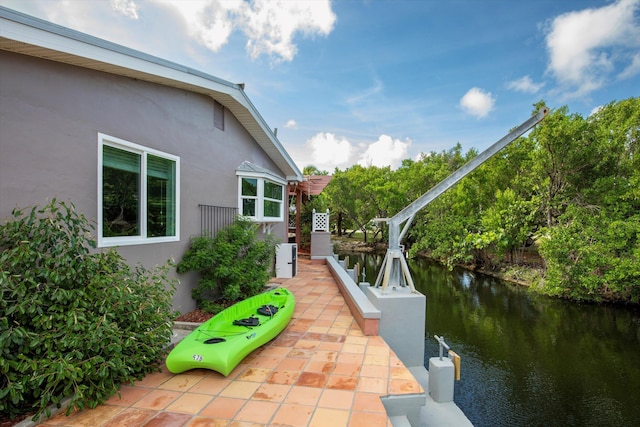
<point x="524" y="84"/>
<point x="477" y="102"/>
<point x="386" y="151"/>
<point x="585" y="46"/>
<point x="326" y="151"/>
<point x="594" y="110"/>
<point x="126" y="7"/>
<point x="291" y="124"/>
<point x="271" y="25"/>
<point x="632" y="69"/>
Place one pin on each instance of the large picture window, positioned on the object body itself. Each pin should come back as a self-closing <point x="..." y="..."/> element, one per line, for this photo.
<point x="261" y="199"/>
<point x="138" y="194"/>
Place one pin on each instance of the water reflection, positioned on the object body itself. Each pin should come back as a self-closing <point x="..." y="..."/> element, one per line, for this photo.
<point x="529" y="360"/>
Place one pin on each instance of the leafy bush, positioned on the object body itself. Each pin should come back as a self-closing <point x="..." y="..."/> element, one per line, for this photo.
<point x="73" y="322"/>
<point x="593" y="256"/>
<point x="234" y="264"/>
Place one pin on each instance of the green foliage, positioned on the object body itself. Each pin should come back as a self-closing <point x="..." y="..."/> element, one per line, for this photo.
<point x="233" y="265"/>
<point x="592" y="256"/>
<point x="319" y="203"/>
<point x="573" y="180"/>
<point x="74" y="323"/>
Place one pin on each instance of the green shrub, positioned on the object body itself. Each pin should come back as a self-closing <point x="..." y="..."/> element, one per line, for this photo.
<point x="73" y="322"/>
<point x="233" y="265"/>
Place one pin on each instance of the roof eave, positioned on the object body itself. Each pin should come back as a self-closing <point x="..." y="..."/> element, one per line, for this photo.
<point x="27" y="35"/>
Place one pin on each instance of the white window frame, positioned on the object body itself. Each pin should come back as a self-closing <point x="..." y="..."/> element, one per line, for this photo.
<point x="142" y="238"/>
<point x="260" y="198"/>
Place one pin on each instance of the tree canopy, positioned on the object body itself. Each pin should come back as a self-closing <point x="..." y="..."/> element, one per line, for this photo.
<point x="569" y="192"/>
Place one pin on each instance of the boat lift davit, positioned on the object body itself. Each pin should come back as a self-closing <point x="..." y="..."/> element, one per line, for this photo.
<point x="394" y="271"/>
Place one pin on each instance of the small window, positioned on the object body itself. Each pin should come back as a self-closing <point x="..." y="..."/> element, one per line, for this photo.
<point x="138" y="195"/>
<point x="261" y="199"/>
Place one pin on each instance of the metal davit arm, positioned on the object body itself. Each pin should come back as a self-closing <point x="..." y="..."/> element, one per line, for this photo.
<point x="394" y="266"/>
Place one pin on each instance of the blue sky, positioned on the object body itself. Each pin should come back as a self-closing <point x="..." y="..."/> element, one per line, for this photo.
<point x="378" y="81"/>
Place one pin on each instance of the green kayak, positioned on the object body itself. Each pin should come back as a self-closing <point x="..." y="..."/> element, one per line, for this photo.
<point x="224" y="340"/>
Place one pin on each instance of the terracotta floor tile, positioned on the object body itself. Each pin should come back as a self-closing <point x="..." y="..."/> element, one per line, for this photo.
<point x="180" y="382"/>
<point x="288" y="341"/>
<point x="377" y="350"/>
<point x="335" y="338"/>
<point x="92" y="417"/>
<point x="348" y="369"/>
<point x="168" y="419"/>
<point x="128" y="395"/>
<point x="350" y="358"/>
<point x="223" y="407"/>
<point x="322" y="322"/>
<point x="154" y="380"/>
<point x="240" y="389"/>
<point x="274" y="351"/>
<point x="211" y="385"/>
<point x="207" y="422"/>
<point x="254" y="374"/>
<point x="336" y="399"/>
<point x="157" y="399"/>
<point x="130" y="417"/>
<point x="313" y="336"/>
<point x="326" y="356"/>
<point x="372" y="385"/>
<point x="374" y="371"/>
<point x="301" y="353"/>
<point x="190" y="403"/>
<point x="368" y="402"/>
<point x="356" y="340"/>
<point x="291" y="364"/>
<point x="311" y="379"/>
<point x="370" y="359"/>
<point x="292" y="415"/>
<point x="306" y="344"/>
<point x="303" y="395"/>
<point x="353" y="348"/>
<point x="272" y="392"/>
<point x="267" y="362"/>
<point x="404" y="387"/>
<point x="319" y="366"/>
<point x="325" y="417"/>
<point x="283" y="377"/>
<point x="330" y="346"/>
<point x="342" y="382"/>
<point x="319" y="329"/>
<point x="377" y="340"/>
<point x="402" y="373"/>
<point x="257" y="411"/>
<point x="367" y="419"/>
<point x="394" y="361"/>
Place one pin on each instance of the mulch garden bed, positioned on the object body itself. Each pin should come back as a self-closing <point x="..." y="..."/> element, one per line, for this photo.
<point x="196" y="316"/>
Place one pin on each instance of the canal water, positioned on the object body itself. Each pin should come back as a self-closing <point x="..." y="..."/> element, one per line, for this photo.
<point x="528" y="360"/>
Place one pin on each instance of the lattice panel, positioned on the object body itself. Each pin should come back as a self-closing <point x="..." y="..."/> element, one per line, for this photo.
<point x="320" y="221"/>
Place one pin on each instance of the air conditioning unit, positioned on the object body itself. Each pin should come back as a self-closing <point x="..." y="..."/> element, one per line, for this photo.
<point x="286" y="260"/>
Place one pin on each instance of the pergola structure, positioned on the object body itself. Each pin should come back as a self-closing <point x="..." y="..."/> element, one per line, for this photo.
<point x="312" y="185"/>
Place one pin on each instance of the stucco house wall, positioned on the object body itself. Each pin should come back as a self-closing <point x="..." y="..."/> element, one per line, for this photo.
<point x="51" y="115"/>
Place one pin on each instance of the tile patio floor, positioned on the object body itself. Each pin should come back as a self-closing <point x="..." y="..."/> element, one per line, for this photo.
<point x="320" y="371"/>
